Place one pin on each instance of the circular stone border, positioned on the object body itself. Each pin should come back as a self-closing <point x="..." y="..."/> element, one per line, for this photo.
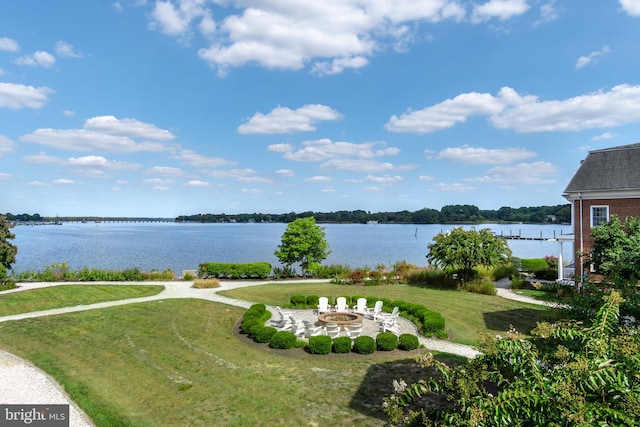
<point x="324" y="318"/>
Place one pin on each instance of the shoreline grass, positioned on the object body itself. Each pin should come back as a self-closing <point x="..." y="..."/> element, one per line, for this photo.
<point x="70" y="295"/>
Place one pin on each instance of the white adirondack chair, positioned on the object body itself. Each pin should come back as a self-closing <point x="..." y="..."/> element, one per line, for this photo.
<point x="297" y="326"/>
<point x="323" y="305"/>
<point x="361" y="306"/>
<point x="375" y="311"/>
<point x="341" y="304"/>
<point x="354" y="330"/>
<point x="332" y="330"/>
<point x="311" y="330"/>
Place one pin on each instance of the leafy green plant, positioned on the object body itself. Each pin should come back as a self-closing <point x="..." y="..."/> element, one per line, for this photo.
<point x="342" y="345"/>
<point x="533" y="264"/>
<point x="205" y="283"/>
<point x="264" y="334"/>
<point x="299" y="301"/>
<point x="408" y="342"/>
<point x="283" y="340"/>
<point x="481" y="286"/>
<point x="386" y="341"/>
<point x="303" y="242"/>
<point x="319" y="344"/>
<point x="567" y="373"/>
<point x="364" y="345"/>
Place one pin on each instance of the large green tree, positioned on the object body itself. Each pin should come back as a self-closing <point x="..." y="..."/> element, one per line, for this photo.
<point x="303" y="242"/>
<point x="616" y="250"/>
<point x="8" y="251"/>
<point x="464" y="250"/>
<point x="567" y="374"/>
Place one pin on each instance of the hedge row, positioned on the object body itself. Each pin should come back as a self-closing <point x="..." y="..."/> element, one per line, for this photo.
<point x="219" y="270"/>
<point x="430" y="323"/>
<point x="253" y="325"/>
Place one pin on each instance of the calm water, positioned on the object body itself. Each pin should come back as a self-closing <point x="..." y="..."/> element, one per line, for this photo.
<point x="184" y="246"/>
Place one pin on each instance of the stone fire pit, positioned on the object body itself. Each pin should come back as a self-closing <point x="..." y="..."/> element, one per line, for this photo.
<point x="340" y="318"/>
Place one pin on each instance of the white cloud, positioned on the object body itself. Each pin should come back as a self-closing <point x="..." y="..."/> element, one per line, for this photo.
<point x="453" y="187"/>
<point x="548" y="12"/>
<point x="471" y="155"/>
<point x="329" y="37"/>
<point x="100" y="162"/>
<point x="238" y="174"/>
<point x="385" y="180"/>
<point x="6" y="145"/>
<point x="64" y="181"/>
<point x="323" y="149"/>
<point x="510" y="110"/>
<point x="632" y="7"/>
<point x="17" y="96"/>
<point x="328" y="189"/>
<point x="286" y="120"/>
<point x="426" y="178"/>
<point x="537" y="173"/>
<point x="319" y="178"/>
<point x="280" y="148"/>
<point x="164" y="171"/>
<point x="9" y="45"/>
<point x="286" y="173"/>
<point x="606" y="135"/>
<point x="66" y="50"/>
<point x="5" y="176"/>
<point x="197" y="183"/>
<point x="583" y="61"/>
<point x="111" y="125"/>
<point x="158" y="181"/>
<point x="356" y="165"/>
<point x="42" y="159"/>
<point x="197" y="160"/>
<point x="161" y="188"/>
<point x="37" y="59"/>
<point x="620" y="105"/>
<point x="501" y="9"/>
<point x="86" y="140"/>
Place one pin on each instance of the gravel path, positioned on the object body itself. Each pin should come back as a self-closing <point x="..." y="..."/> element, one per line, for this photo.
<point x="23" y="383"/>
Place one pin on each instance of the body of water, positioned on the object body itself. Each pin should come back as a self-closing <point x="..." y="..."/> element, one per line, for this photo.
<point x="158" y="246"/>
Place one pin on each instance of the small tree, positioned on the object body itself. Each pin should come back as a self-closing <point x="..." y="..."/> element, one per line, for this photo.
<point x="465" y="249"/>
<point x="616" y="250"/>
<point x="303" y="242"/>
<point x="7" y="250"/>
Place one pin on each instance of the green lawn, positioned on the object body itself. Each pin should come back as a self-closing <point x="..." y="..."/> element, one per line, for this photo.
<point x="177" y="362"/>
<point x="70" y="295"/>
<point x="467" y="315"/>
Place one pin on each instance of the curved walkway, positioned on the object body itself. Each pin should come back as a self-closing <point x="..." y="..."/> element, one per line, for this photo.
<point x="24" y="383"/>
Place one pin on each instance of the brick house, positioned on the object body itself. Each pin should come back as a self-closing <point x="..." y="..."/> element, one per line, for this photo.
<point x="606" y="183"/>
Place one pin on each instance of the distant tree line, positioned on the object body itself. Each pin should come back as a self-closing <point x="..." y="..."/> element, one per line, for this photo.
<point x="558" y="214"/>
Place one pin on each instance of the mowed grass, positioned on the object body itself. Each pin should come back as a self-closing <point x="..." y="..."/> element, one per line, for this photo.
<point x="70" y="295"/>
<point x="467" y="315"/>
<point x="177" y="362"/>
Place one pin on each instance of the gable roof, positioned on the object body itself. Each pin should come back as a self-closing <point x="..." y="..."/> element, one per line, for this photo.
<point x="610" y="169"/>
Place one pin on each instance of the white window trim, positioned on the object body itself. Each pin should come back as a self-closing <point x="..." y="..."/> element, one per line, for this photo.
<point x="591" y="213"/>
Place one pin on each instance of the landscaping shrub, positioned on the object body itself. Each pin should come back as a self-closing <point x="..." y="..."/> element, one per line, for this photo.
<point x="408" y="342"/>
<point x="250" y="324"/>
<point x="299" y="301"/>
<point x="264" y="334"/>
<point x="342" y="345"/>
<point x="328" y="271"/>
<point x="479" y="286"/>
<point x="386" y="341"/>
<point x="159" y="275"/>
<point x="283" y="340"/>
<point x="435" y="278"/>
<point x="533" y="264"/>
<point x="219" y="270"/>
<point x="205" y="283"/>
<point x="504" y="270"/>
<point x="364" y="345"/>
<point x="313" y="301"/>
<point x="319" y="344"/>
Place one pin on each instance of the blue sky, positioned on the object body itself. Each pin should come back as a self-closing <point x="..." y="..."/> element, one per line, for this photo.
<point x="164" y="108"/>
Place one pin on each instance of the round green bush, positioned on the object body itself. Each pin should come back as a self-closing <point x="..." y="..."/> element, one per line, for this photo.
<point x="283" y="340"/>
<point x="313" y="301"/>
<point x="264" y="334"/>
<point x="408" y="342"/>
<point x="386" y="341"/>
<point x="298" y="300"/>
<point x="342" y="345"/>
<point x="364" y="345"/>
<point x="253" y="329"/>
<point x="319" y="344"/>
<point x="249" y="323"/>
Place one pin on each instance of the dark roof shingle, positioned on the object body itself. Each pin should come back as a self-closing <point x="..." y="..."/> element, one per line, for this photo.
<point x="616" y="168"/>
